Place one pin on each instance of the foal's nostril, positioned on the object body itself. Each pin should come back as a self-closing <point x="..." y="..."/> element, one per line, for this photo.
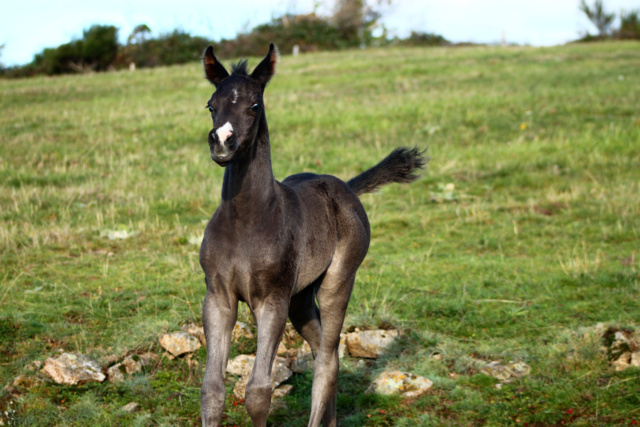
<point x="213" y="138"/>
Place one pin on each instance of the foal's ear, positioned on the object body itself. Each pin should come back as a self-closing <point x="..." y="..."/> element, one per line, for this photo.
<point x="267" y="68"/>
<point x="213" y="69"/>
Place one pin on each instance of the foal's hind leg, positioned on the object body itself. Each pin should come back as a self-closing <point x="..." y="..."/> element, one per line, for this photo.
<point x="333" y="298"/>
<point x="305" y="317"/>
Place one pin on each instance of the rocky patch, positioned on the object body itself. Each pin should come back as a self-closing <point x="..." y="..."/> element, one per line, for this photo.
<point x="370" y="344"/>
<point x="130" y="365"/>
<point x="243" y="365"/>
<point x="506" y="373"/>
<point x="623" y="348"/>
<point x="179" y="343"/>
<point x="400" y="383"/>
<point x="72" y="369"/>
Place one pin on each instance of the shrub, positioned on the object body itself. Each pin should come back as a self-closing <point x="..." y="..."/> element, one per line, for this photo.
<point x="176" y="47"/>
<point x="100" y="46"/>
<point x="629" y="25"/>
<point x="309" y="32"/>
<point x="424" y="39"/>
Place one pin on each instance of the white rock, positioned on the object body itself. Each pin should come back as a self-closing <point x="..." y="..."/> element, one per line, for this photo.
<point x="303" y="359"/>
<point x="115" y="373"/>
<point x="278" y="394"/>
<point x="627" y="360"/>
<point x="73" y="368"/>
<point x="401" y="383"/>
<point x="178" y="343"/>
<point x="130" y="365"/>
<point x="196" y="331"/>
<point x="624" y="350"/>
<point x="506" y="373"/>
<point x="130" y="407"/>
<point x="241" y="330"/>
<point x="370" y="344"/>
<point x="279" y="373"/>
<point x="282" y="349"/>
<point x="342" y="347"/>
<point x="281" y="391"/>
<point x="241" y="365"/>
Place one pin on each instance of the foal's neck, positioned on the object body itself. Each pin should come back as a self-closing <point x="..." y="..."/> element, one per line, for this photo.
<point x="248" y="184"/>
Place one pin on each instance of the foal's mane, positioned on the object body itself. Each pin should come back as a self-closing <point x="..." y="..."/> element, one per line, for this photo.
<point x="240" y="68"/>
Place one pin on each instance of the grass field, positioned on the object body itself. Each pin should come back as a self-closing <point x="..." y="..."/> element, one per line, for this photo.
<point x="522" y="235"/>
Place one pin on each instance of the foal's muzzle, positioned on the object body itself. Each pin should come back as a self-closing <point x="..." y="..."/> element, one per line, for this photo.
<point x="222" y="153"/>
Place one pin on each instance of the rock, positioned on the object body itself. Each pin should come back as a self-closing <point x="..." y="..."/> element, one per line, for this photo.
<point x="135" y="362"/>
<point x="506" y="373"/>
<point x="240" y="388"/>
<point x="130" y="365"/>
<point x="241" y="365"/>
<point x="370" y="344"/>
<point x="627" y="360"/>
<point x="400" y="383"/>
<point x="279" y="373"/>
<point x="196" y="331"/>
<point x="241" y="330"/>
<point x="22" y="383"/>
<point x="281" y="391"/>
<point x="72" y="369"/>
<point x="178" y="343"/>
<point x="282" y="349"/>
<point x="115" y="373"/>
<point x="342" y="347"/>
<point x="623" y="348"/>
<point x="303" y="359"/>
<point x="33" y="366"/>
<point x="291" y="338"/>
<point x="278" y="394"/>
<point x="130" y="407"/>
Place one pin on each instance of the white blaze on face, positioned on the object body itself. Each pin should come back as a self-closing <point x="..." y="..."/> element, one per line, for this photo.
<point x="235" y="96"/>
<point x="224" y="132"/>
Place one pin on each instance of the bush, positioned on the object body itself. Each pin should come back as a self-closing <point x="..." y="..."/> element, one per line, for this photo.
<point x="65" y="58"/>
<point x="177" y="47"/>
<point x="96" y="50"/>
<point x="309" y="32"/>
<point x="100" y="46"/>
<point x="629" y="25"/>
<point x="424" y="39"/>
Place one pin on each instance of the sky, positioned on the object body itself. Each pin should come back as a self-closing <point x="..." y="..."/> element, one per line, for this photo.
<point x="28" y="26"/>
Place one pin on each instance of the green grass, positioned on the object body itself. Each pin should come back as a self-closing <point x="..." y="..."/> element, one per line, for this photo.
<point x="535" y="244"/>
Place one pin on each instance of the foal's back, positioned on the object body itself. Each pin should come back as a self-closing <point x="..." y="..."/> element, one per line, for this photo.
<point x="332" y="221"/>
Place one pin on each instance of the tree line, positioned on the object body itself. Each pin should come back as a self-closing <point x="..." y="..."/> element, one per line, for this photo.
<point x="351" y="25"/>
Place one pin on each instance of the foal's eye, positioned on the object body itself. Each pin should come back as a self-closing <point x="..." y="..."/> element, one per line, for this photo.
<point x="209" y="107"/>
<point x="255" y="107"/>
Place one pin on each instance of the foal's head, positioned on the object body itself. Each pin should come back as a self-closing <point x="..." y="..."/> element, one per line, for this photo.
<point x="236" y="106"/>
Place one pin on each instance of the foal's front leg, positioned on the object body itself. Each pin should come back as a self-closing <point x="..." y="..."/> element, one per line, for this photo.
<point x="271" y="318"/>
<point x="218" y="318"/>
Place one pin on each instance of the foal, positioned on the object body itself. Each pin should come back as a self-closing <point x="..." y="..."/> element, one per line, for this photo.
<point x="288" y="248"/>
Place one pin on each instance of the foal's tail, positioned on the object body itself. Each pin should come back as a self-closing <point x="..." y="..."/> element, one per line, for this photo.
<point x="399" y="166"/>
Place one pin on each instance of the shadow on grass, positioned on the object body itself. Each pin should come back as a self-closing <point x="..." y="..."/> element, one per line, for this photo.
<point x="353" y="403"/>
<point x="356" y="407"/>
